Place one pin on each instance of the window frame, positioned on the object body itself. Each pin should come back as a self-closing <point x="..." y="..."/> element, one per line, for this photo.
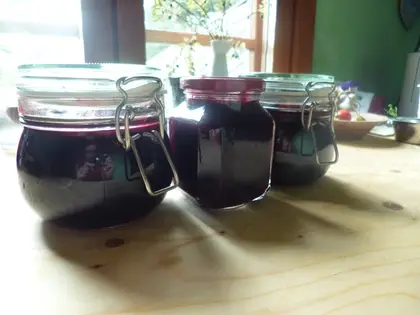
<point x="294" y="36"/>
<point x="123" y="34"/>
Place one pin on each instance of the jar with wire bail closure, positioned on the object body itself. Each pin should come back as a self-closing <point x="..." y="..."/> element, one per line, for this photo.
<point x="303" y="108"/>
<point x="94" y="151"/>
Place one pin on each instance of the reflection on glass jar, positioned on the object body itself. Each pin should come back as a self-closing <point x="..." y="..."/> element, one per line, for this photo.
<point x="222" y="141"/>
<point x="295" y="160"/>
<point x="86" y="181"/>
<point x="77" y="172"/>
<point x="302" y="107"/>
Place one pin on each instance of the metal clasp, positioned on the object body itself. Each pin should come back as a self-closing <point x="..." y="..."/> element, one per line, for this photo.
<point x="308" y="126"/>
<point x="128" y="141"/>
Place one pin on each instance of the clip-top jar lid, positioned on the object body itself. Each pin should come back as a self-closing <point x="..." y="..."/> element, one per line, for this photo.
<point x="83" y="94"/>
<point x="291" y="87"/>
<point x="223" y="85"/>
<point x="82" y="80"/>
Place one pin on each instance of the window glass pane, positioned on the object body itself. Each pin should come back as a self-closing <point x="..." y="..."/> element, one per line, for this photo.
<point x="178" y="57"/>
<point x="51" y="12"/>
<point x="34" y="31"/>
<point x="177" y="61"/>
<point x="237" y="20"/>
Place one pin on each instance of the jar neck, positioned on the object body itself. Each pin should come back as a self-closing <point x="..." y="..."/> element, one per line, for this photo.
<point x="145" y="124"/>
<point x="221" y="98"/>
<point x="295" y="116"/>
<point x="297" y="107"/>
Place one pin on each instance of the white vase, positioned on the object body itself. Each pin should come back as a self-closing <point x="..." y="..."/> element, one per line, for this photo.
<point x="220" y="48"/>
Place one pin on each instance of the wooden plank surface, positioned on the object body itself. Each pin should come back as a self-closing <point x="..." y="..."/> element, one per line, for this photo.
<point x="349" y="244"/>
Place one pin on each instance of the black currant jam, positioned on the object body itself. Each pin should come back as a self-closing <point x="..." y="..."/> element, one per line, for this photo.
<point x="295" y="159"/>
<point x="88" y="180"/>
<point x="222" y="149"/>
<point x="302" y="105"/>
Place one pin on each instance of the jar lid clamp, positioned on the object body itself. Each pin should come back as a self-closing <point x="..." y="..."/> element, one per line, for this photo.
<point x="128" y="141"/>
<point x="308" y="126"/>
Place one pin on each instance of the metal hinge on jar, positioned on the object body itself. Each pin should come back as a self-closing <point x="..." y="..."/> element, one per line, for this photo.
<point x="308" y="125"/>
<point x="128" y="141"/>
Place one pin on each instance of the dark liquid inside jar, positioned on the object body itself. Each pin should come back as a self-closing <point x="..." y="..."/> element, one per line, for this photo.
<point x="89" y="180"/>
<point x="222" y="151"/>
<point x="295" y="161"/>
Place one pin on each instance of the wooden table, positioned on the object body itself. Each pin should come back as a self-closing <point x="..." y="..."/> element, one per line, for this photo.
<point x="348" y="245"/>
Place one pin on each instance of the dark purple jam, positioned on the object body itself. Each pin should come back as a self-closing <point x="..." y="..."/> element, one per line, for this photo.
<point x="294" y="161"/>
<point x="88" y="180"/>
<point x="222" y="150"/>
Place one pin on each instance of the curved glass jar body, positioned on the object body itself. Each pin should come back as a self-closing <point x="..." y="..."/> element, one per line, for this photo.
<point x="302" y="105"/>
<point x="78" y="164"/>
<point x="222" y="141"/>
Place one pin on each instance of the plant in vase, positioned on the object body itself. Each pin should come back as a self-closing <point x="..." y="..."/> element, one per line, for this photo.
<point x="208" y="17"/>
<point x="392" y="112"/>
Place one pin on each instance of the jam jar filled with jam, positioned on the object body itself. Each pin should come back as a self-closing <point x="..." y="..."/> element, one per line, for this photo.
<point x="302" y="106"/>
<point x="93" y="152"/>
<point x="222" y="141"/>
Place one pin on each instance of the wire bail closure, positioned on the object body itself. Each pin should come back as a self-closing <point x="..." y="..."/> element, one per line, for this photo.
<point x="308" y="125"/>
<point x="128" y="141"/>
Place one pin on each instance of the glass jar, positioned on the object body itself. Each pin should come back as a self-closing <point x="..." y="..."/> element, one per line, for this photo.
<point x="222" y="141"/>
<point x="302" y="106"/>
<point x="93" y="152"/>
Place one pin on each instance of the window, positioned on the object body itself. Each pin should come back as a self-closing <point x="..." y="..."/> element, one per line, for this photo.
<point x="34" y="31"/>
<point x="161" y="54"/>
<point x="73" y="31"/>
<point x="166" y="38"/>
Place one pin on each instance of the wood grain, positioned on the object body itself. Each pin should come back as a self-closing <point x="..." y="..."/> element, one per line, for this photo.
<point x="131" y="32"/>
<point x="339" y="247"/>
<point x="99" y="38"/>
<point x="294" y="36"/>
<point x="257" y="35"/>
<point x="113" y="31"/>
<point x="303" y="36"/>
<point x="283" y="40"/>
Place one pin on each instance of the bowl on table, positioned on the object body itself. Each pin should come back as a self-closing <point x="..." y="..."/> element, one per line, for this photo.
<point x="356" y="129"/>
<point x="407" y="129"/>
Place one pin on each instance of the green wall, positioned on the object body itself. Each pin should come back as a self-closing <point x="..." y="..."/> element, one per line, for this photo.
<point x="363" y="40"/>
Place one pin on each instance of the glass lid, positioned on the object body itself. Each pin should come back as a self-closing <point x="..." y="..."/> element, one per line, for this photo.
<point x="82" y="80"/>
<point x="294" y="84"/>
<point x="85" y="94"/>
<point x="291" y="77"/>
